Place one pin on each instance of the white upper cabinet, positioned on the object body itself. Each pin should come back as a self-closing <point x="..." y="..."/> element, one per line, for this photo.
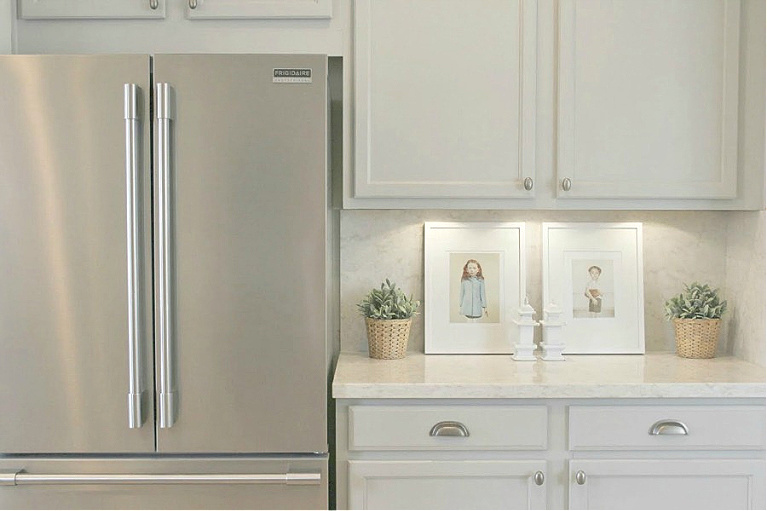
<point x="84" y="9"/>
<point x="444" y="95"/>
<point x="195" y="9"/>
<point x="255" y="9"/>
<point x="648" y="99"/>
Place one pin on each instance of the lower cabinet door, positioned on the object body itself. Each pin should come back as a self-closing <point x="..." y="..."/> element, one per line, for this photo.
<point x="447" y="484"/>
<point x="667" y="484"/>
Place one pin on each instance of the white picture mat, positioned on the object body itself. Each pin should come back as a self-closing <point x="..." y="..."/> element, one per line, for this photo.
<point x="622" y="244"/>
<point x="441" y="239"/>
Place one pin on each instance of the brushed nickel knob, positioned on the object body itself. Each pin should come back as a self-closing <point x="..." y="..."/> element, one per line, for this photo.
<point x="580" y="477"/>
<point x="193" y="4"/>
<point x="567" y="184"/>
<point x="538" y="478"/>
<point x="154" y="4"/>
<point x="528" y="183"/>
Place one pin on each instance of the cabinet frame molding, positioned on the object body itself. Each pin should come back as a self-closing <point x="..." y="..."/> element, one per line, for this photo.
<point x="365" y="186"/>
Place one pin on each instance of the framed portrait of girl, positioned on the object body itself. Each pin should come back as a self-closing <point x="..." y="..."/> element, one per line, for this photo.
<point x="474" y="283"/>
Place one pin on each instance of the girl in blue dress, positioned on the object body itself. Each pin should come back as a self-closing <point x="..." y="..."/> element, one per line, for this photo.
<point x="473" y="298"/>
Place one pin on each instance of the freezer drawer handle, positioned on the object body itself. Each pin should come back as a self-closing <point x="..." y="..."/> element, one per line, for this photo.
<point x="167" y="398"/>
<point x="131" y="115"/>
<point x="20" y="478"/>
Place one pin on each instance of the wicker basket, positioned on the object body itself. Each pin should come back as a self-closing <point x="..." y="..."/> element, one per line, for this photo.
<point x="696" y="338"/>
<point x="387" y="338"/>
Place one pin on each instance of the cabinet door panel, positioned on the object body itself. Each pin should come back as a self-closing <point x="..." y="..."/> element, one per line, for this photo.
<point x="668" y="484"/>
<point x="648" y="98"/>
<point x="85" y="9"/>
<point x="445" y="485"/>
<point x="257" y="9"/>
<point x="444" y="98"/>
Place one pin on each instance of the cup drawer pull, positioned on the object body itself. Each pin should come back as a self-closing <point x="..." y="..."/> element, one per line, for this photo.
<point x="449" y="428"/>
<point x="669" y="427"/>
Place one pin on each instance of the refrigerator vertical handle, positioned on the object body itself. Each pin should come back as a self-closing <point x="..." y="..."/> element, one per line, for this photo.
<point x="131" y="101"/>
<point x="163" y="107"/>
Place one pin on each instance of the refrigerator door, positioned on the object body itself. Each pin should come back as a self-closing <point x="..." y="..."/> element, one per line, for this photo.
<point x="240" y="253"/>
<point x="166" y="483"/>
<point x="74" y="288"/>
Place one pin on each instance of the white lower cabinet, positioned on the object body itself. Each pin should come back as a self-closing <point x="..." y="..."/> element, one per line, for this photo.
<point x="461" y="484"/>
<point x="667" y="484"/>
<point x="550" y="453"/>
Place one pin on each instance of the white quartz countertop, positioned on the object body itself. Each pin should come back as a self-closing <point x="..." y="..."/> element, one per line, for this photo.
<point x="420" y="376"/>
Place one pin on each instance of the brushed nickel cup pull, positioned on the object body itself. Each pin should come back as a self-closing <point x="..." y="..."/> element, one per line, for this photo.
<point x="669" y="427"/>
<point x="538" y="478"/>
<point x="567" y="184"/>
<point x="528" y="183"/>
<point x="580" y="477"/>
<point x="449" y="428"/>
<point x="193" y="4"/>
<point x="154" y="4"/>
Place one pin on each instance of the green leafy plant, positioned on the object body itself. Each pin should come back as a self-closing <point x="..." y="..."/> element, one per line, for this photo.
<point x="388" y="302"/>
<point x="698" y="301"/>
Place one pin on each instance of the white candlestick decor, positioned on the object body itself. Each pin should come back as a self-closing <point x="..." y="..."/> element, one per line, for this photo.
<point x="524" y="349"/>
<point x="553" y="340"/>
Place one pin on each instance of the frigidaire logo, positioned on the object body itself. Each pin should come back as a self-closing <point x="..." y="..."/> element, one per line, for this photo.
<point x="292" y="76"/>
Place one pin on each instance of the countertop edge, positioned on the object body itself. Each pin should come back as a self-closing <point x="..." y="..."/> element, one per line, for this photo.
<point x="585" y="391"/>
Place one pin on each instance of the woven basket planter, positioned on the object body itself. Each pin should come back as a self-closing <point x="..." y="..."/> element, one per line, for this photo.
<point x="696" y="338"/>
<point x="387" y="338"/>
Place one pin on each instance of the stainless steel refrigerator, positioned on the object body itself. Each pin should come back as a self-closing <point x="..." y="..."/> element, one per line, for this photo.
<point x="163" y="281"/>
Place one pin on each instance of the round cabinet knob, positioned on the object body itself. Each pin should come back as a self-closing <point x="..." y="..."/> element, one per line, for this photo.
<point x="580" y="477"/>
<point x="567" y="184"/>
<point x="193" y="4"/>
<point x="528" y="183"/>
<point x="538" y="478"/>
<point x="154" y="4"/>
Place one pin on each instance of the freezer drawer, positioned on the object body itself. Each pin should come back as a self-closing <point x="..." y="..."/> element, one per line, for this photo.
<point x="164" y="483"/>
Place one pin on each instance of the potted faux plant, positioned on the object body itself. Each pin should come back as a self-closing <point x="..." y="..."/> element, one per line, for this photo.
<point x="697" y="314"/>
<point x="388" y="314"/>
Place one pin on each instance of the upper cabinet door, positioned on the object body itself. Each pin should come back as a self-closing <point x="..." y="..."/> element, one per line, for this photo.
<point x="648" y="99"/>
<point x="84" y="9"/>
<point x="256" y="9"/>
<point x="444" y="98"/>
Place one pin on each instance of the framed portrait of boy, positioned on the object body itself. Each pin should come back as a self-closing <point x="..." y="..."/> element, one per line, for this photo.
<point x="593" y="272"/>
<point x="474" y="282"/>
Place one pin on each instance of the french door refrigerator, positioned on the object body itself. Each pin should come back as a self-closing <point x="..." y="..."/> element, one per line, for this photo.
<point x="163" y="281"/>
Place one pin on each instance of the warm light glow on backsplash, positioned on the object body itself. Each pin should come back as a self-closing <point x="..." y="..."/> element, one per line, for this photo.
<point x="679" y="247"/>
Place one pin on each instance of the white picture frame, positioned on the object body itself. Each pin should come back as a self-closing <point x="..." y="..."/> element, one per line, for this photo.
<point x="594" y="273"/>
<point x="457" y="318"/>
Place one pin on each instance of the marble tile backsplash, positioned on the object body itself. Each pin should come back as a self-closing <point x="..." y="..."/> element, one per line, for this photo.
<point x="746" y="285"/>
<point x="679" y="247"/>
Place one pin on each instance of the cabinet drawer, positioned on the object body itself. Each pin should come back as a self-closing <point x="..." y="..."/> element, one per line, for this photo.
<point x="666" y="427"/>
<point x="447" y="427"/>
